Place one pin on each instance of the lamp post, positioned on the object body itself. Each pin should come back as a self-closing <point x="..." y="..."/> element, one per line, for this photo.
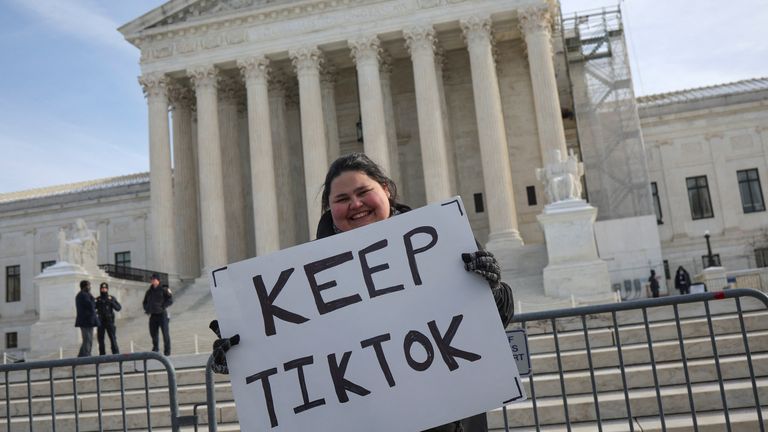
<point x="710" y="258"/>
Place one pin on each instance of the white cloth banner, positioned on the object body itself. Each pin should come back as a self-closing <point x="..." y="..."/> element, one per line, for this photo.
<point x="376" y="329"/>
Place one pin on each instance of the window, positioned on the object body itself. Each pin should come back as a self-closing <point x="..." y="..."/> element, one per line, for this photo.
<point x="123" y="259"/>
<point x="12" y="283"/>
<point x="45" y="264"/>
<point x="667" y="274"/>
<point x="761" y="257"/>
<point x="479" y="204"/>
<point x="11" y="340"/>
<point x="715" y="259"/>
<point x="656" y="203"/>
<point x="698" y="197"/>
<point x="751" y="193"/>
<point x="531" y="192"/>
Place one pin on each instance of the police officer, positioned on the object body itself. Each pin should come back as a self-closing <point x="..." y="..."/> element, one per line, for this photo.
<point x="106" y="306"/>
<point x="156" y="301"/>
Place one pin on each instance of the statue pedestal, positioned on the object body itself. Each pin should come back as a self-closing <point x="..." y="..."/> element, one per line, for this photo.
<point x="574" y="267"/>
<point x="715" y="278"/>
<point x="56" y="289"/>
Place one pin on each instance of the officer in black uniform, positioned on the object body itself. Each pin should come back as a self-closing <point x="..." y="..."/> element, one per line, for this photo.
<point x="106" y="306"/>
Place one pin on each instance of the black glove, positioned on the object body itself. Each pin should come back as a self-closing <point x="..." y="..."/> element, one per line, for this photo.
<point x="220" y="348"/>
<point x="485" y="264"/>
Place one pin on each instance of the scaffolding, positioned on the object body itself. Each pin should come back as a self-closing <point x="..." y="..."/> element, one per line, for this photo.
<point x="609" y="136"/>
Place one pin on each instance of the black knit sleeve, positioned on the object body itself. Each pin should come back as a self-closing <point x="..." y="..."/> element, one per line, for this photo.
<point x="505" y="303"/>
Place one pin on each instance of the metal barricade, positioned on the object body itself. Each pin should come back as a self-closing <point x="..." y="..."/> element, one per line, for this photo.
<point x="70" y="395"/>
<point x="641" y="365"/>
<point x="685" y="361"/>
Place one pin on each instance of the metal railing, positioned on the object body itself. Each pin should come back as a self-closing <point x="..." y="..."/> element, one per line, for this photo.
<point x="643" y="364"/>
<point x="47" y="394"/>
<point x="134" y="274"/>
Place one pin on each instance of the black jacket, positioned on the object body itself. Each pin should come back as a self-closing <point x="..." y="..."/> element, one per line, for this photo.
<point x="106" y="307"/>
<point x="86" y="310"/>
<point x="156" y="300"/>
<point x="504" y="304"/>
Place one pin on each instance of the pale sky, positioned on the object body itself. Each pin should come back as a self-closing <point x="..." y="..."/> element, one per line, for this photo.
<point x="71" y="108"/>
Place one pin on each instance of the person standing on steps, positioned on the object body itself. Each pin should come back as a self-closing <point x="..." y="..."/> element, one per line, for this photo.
<point x="86" y="318"/>
<point x="156" y="302"/>
<point x="654" y="283"/>
<point x="106" y="306"/>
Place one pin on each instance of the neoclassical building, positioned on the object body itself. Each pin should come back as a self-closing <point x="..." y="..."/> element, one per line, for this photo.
<point x="249" y="100"/>
<point x="445" y="95"/>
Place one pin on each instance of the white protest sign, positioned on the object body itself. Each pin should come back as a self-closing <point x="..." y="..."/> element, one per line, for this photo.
<point x="375" y="329"/>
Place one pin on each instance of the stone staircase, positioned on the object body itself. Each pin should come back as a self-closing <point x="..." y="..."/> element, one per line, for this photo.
<point x="576" y="382"/>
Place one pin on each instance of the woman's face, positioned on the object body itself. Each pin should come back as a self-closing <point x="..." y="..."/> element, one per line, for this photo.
<point x="357" y="200"/>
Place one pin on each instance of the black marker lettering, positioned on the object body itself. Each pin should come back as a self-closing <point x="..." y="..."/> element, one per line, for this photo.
<point x="444" y="344"/>
<point x="341" y="384"/>
<point x="376" y="343"/>
<point x="264" y="377"/>
<point x="268" y="310"/>
<point x="411" y="252"/>
<point x="369" y="271"/>
<point x="299" y="364"/>
<point x="412" y="337"/>
<point x="316" y="267"/>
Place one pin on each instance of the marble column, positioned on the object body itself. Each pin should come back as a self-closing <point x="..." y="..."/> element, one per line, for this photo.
<point x="162" y="254"/>
<point x="229" y="92"/>
<point x="535" y="25"/>
<point x="420" y="42"/>
<point x="328" y="89"/>
<point x="185" y="182"/>
<point x="307" y="61"/>
<point x="255" y="72"/>
<point x="385" y="72"/>
<point x="365" y="53"/>
<point x="284" y="176"/>
<point x="447" y="136"/>
<point x="213" y="219"/>
<point x="494" y="153"/>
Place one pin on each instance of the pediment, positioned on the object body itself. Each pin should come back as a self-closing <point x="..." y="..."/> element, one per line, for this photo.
<point x="191" y="11"/>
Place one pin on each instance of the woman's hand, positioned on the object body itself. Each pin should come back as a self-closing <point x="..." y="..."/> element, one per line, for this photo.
<point x="485" y="264"/>
<point x="220" y="348"/>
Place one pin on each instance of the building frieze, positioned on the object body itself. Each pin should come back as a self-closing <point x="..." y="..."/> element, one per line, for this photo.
<point x="245" y="27"/>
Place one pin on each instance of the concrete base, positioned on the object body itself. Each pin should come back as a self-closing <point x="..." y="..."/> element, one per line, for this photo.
<point x="47" y="337"/>
<point x="500" y="242"/>
<point x="574" y="268"/>
<point x="715" y="278"/>
<point x="583" y="280"/>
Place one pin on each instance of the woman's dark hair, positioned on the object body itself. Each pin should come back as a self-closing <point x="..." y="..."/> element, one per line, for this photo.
<point x="356" y="162"/>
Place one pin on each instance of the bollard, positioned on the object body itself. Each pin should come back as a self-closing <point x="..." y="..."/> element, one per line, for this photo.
<point x="61" y="353"/>
<point x="197" y="347"/>
<point x="131" y="345"/>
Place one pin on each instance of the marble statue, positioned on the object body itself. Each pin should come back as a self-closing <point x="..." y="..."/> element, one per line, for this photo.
<point x="561" y="177"/>
<point x="82" y="248"/>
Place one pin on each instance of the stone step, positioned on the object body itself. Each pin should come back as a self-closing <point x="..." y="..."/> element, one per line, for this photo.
<point x="635" y="333"/>
<point x="674" y="400"/>
<point x="742" y="420"/>
<point x="695" y="348"/>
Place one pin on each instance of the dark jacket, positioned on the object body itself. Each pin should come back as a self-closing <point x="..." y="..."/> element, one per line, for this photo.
<point x="106" y="305"/>
<point x="504" y="304"/>
<point x="156" y="300"/>
<point x="86" y="310"/>
<point x="682" y="279"/>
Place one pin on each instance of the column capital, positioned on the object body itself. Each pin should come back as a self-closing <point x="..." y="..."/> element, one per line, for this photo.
<point x="204" y="76"/>
<point x="230" y="90"/>
<point x="181" y="96"/>
<point x="420" y="38"/>
<point x="385" y="65"/>
<point x="154" y="85"/>
<point x="365" y="48"/>
<point x="306" y="59"/>
<point x="476" y="29"/>
<point x="254" y="68"/>
<point x="328" y="75"/>
<point x="277" y="82"/>
<point x="534" y="20"/>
